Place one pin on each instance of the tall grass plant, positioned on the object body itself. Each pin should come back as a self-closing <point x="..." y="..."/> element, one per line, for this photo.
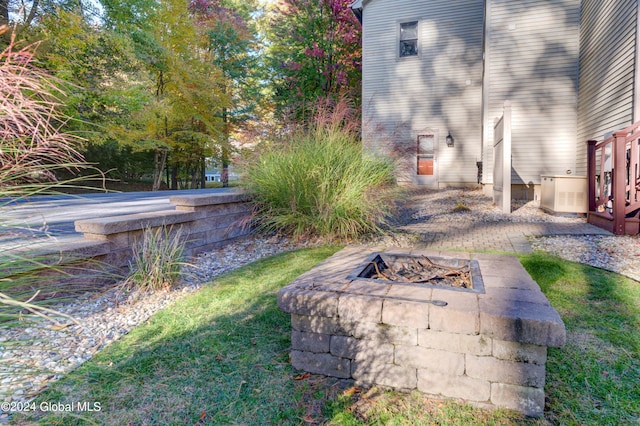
<point x="34" y="150"/>
<point x="317" y="181"/>
<point x="157" y="259"/>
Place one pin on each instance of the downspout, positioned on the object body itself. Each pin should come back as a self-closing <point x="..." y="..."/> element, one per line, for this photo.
<point x="487" y="121"/>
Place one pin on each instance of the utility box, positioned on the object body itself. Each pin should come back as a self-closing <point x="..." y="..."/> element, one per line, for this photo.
<point x="563" y="194"/>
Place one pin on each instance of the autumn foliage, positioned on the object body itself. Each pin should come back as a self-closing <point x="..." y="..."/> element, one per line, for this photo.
<point x="315" y="54"/>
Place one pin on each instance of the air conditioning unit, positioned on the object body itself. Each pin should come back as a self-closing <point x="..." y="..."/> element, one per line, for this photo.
<point x="563" y="194"/>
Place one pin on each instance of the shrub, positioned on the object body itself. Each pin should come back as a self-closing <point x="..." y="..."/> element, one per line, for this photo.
<point x="157" y="259"/>
<point x="320" y="183"/>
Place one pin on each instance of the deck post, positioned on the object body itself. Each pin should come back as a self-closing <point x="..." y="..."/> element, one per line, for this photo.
<point x="591" y="174"/>
<point x="619" y="181"/>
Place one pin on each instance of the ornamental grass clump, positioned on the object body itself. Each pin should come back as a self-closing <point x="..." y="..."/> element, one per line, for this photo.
<point x="320" y="183"/>
<point x="34" y="149"/>
<point x="157" y="259"/>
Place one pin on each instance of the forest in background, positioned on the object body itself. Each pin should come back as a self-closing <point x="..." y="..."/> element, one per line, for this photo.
<point x="168" y="89"/>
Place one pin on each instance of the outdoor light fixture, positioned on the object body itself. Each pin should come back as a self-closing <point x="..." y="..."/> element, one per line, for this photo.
<point x="449" y="140"/>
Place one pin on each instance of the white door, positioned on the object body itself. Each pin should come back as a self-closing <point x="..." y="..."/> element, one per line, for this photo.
<point x="427" y="160"/>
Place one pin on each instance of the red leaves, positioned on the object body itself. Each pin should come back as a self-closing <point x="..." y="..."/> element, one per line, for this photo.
<point x="302" y="376"/>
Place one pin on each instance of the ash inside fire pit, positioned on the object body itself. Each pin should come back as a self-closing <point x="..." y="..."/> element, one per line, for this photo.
<point x="460" y="274"/>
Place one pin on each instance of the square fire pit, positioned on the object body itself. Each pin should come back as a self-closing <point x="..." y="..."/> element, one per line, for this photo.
<point x="358" y="315"/>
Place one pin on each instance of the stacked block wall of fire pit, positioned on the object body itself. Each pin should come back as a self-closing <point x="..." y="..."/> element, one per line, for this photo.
<point x="487" y="348"/>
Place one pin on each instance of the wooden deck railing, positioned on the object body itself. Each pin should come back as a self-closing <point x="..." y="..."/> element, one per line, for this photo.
<point x="614" y="181"/>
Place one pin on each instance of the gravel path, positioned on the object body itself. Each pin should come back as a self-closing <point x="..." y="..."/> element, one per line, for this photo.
<point x="27" y="369"/>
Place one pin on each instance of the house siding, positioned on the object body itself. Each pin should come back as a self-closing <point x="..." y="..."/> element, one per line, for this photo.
<point x="532" y="60"/>
<point x="439" y="91"/>
<point x="607" y="64"/>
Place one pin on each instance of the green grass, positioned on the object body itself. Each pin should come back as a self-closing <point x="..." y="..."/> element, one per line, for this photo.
<point x="595" y="378"/>
<point x="220" y="356"/>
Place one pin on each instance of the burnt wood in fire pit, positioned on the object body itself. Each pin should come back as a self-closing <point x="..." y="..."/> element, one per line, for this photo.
<point x="460" y="274"/>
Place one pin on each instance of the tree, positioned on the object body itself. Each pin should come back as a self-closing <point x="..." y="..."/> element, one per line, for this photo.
<point x="314" y="54"/>
<point x="21" y="15"/>
<point x="183" y="88"/>
<point x="230" y="44"/>
<point x="105" y="86"/>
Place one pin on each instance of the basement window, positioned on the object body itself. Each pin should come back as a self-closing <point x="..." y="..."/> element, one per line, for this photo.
<point x="408" y="39"/>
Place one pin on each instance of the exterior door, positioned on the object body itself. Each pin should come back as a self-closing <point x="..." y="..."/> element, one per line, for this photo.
<point x="427" y="160"/>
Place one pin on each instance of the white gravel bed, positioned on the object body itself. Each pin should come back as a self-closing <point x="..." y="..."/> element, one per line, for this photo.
<point x="619" y="253"/>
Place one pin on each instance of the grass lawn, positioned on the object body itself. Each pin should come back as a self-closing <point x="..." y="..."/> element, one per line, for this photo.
<point x="220" y="356"/>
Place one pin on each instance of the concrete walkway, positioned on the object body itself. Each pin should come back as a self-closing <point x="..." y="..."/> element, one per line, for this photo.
<point x="428" y="214"/>
<point x="499" y="236"/>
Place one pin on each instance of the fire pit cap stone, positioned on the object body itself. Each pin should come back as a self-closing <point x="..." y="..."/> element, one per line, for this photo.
<point x="522" y="322"/>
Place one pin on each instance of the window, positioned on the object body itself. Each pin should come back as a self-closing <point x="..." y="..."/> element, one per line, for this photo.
<point x="426" y="154"/>
<point x="408" y="39"/>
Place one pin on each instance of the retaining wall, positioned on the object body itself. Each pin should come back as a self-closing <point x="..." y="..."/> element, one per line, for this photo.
<point x="206" y="221"/>
<point x="103" y="253"/>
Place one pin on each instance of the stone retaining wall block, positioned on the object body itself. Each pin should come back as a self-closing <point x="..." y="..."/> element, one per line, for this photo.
<point x="325" y="364"/>
<point x="310" y="342"/>
<point x="529" y="401"/>
<point x="519" y="352"/>
<point x="352" y="348"/>
<point x="405" y="313"/>
<point x="464" y="387"/>
<point x="522" y="322"/>
<point x="496" y="370"/>
<point x="461" y="315"/>
<point x="360" y="308"/>
<point x="313" y="324"/>
<point x="395" y="376"/>
<point x="384" y="333"/>
<point x="454" y="342"/>
<point x="307" y="302"/>
<point x="430" y="359"/>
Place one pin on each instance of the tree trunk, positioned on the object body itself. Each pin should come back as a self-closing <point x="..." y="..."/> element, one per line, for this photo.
<point x="174" y="177"/>
<point x="194" y="178"/>
<point x="159" y="160"/>
<point x="203" y="173"/>
<point x="32" y="13"/>
<point x="4" y="12"/>
<point x="224" y="176"/>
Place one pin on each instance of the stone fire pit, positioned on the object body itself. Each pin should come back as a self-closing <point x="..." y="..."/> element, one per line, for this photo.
<point x="486" y="344"/>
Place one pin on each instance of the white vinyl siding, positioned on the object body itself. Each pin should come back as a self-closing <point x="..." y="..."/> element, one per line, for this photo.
<point x="532" y="61"/>
<point x="438" y="91"/>
<point x="607" y="63"/>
